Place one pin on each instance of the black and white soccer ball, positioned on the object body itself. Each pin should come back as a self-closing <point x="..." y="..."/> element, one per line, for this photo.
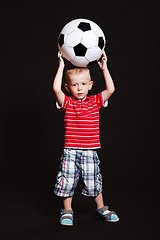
<point x="81" y="42"/>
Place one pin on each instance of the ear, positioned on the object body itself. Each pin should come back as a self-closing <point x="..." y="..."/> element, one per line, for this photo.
<point x="67" y="87"/>
<point x="90" y="85"/>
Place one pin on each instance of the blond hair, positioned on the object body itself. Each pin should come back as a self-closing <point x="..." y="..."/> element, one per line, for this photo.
<point x="75" y="70"/>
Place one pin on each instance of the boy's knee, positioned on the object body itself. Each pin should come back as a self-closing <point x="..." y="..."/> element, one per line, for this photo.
<point x="93" y="186"/>
<point x="64" y="186"/>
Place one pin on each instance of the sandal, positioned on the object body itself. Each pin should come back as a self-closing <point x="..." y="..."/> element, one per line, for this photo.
<point x="107" y="215"/>
<point x="66" y="217"/>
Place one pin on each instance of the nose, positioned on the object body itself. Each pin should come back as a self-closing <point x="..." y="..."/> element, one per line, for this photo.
<point x="79" y="87"/>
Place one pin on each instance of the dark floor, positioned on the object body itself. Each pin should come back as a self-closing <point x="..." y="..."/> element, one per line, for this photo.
<point x="32" y="214"/>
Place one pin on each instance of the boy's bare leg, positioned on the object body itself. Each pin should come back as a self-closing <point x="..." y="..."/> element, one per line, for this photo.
<point x="99" y="201"/>
<point x="67" y="203"/>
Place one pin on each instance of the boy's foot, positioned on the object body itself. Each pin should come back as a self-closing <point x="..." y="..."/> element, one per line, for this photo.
<point x="66" y="218"/>
<point x="107" y="215"/>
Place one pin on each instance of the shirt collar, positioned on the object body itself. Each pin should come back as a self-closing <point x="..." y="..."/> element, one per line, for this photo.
<point x="86" y="99"/>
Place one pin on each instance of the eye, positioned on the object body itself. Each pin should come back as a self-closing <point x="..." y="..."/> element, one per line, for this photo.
<point x="74" y="84"/>
<point x="84" y="83"/>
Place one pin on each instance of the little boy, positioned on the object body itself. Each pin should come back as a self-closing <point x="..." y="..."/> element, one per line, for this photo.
<point x="81" y="123"/>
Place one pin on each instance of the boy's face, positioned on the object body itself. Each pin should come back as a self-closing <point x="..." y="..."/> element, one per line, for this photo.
<point x="79" y="84"/>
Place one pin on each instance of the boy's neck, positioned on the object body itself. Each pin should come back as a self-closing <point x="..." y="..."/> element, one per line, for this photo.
<point x="81" y="99"/>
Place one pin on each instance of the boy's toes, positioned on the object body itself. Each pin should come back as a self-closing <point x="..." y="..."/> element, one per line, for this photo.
<point x="107" y="215"/>
<point x="114" y="217"/>
<point x="67" y="222"/>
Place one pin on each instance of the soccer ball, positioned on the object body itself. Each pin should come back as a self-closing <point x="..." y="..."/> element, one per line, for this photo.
<point x="81" y="42"/>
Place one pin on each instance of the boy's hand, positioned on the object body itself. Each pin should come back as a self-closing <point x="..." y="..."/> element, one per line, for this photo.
<point x="103" y="63"/>
<point x="60" y="60"/>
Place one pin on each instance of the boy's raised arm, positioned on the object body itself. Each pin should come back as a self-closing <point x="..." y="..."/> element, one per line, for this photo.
<point x="107" y="77"/>
<point x="57" y="83"/>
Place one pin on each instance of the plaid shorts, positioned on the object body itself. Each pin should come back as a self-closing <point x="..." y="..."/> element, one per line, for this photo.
<point x="75" y="163"/>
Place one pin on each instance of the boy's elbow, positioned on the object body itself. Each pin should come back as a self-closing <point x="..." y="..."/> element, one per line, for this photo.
<point x="55" y="89"/>
<point x="112" y="90"/>
<point x="57" y="92"/>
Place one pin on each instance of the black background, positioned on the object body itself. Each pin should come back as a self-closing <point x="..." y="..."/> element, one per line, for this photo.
<point x="31" y="127"/>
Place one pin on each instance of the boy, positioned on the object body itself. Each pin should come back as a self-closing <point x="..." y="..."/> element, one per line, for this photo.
<point x="81" y="124"/>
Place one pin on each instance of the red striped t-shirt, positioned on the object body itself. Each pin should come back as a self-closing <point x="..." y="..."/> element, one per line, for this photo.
<point x="81" y="121"/>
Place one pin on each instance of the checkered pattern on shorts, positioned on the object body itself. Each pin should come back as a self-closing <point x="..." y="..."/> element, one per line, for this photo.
<point x="75" y="163"/>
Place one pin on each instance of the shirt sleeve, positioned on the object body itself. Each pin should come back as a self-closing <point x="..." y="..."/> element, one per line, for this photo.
<point x="64" y="105"/>
<point x="99" y="100"/>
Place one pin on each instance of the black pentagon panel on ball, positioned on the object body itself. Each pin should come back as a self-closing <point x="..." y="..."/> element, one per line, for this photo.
<point x="84" y="26"/>
<point x="61" y="40"/>
<point x="80" y="50"/>
<point x="101" y="42"/>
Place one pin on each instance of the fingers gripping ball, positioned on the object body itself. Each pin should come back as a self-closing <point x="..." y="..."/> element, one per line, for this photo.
<point x="81" y="42"/>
